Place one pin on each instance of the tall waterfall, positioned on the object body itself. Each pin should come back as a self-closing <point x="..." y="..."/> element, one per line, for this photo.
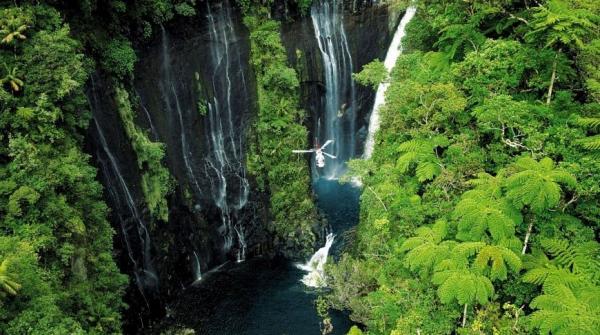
<point x="224" y="131"/>
<point x="394" y="51"/>
<point x="338" y="112"/>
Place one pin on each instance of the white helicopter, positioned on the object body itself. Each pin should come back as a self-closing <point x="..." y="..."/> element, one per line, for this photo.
<point x="319" y="153"/>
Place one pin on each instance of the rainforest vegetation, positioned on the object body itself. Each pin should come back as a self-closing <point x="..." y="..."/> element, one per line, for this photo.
<point x="480" y="208"/>
<point x="57" y="267"/>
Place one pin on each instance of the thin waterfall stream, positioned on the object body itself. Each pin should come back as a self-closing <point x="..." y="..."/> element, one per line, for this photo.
<point x="226" y="159"/>
<point x="393" y="53"/>
<point x="133" y="227"/>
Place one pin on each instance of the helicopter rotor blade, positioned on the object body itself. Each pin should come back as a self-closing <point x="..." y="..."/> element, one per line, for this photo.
<point x="302" y="151"/>
<point x="329" y="155"/>
<point x="326" y="144"/>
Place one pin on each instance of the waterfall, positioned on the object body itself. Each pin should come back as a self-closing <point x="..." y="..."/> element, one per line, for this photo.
<point x="153" y="131"/>
<point x="145" y="274"/>
<point x="225" y="133"/>
<point x="394" y="51"/>
<point x="316" y="265"/>
<point x="197" y="268"/>
<point x="339" y="103"/>
<point x="173" y="106"/>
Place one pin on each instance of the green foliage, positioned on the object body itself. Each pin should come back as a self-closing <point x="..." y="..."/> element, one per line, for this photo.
<point x="355" y="331"/>
<point x="423" y="154"/>
<point x="304" y="5"/>
<point x="157" y="182"/>
<point x="560" y="23"/>
<point x="462" y="286"/>
<point x="536" y="184"/>
<point x="473" y="174"/>
<point x="278" y="129"/>
<point x="592" y="142"/>
<point x="185" y="9"/>
<point x="499" y="259"/>
<point x="11" y="80"/>
<point x="119" y="58"/>
<point x="56" y="244"/>
<point x="13" y="26"/>
<point x="8" y="282"/>
<point x="372" y="74"/>
<point x="482" y="216"/>
<point x="569" y="303"/>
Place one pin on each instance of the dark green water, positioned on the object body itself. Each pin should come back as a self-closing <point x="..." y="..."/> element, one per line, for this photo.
<point x="266" y="297"/>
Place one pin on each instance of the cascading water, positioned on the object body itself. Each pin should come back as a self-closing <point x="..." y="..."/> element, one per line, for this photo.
<point x="173" y="106"/>
<point x="144" y="273"/>
<point x="153" y="131"/>
<point x="225" y="162"/>
<point x="337" y="116"/>
<point x="316" y="265"/>
<point x="394" y="51"/>
<point x="197" y="268"/>
<point x="337" y="119"/>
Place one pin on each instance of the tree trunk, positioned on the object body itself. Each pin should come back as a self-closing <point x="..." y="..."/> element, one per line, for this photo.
<point x="553" y="78"/>
<point x="464" y="320"/>
<point x="527" y="236"/>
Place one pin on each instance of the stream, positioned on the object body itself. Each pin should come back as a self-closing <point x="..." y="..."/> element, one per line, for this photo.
<point x="267" y="297"/>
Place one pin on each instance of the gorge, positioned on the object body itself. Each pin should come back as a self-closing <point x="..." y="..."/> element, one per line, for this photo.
<point x="261" y="167"/>
<point x="196" y="95"/>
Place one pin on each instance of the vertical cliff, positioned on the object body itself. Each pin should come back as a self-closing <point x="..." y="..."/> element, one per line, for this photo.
<point x="194" y="100"/>
<point x="336" y="39"/>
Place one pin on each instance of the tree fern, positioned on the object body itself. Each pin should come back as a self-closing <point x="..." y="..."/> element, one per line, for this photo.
<point x="484" y="216"/>
<point x="589" y="122"/>
<point x="537" y="184"/>
<point x="485" y="182"/>
<point x="494" y="261"/>
<point x="422" y="153"/>
<point x="583" y="258"/>
<point x="559" y="23"/>
<point x="570" y="303"/>
<point x="567" y="311"/>
<point x="463" y="286"/>
<point x="425" y="250"/>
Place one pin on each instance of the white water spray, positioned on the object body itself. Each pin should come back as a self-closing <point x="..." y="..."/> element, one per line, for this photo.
<point x="391" y="57"/>
<point x="316" y="265"/>
<point x="338" y="107"/>
<point x="225" y="134"/>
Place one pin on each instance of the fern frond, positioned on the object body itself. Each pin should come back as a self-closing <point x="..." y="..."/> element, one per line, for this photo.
<point x="403" y="163"/>
<point x="478" y="214"/>
<point x="427" y="171"/>
<point x="463" y="287"/>
<point x="537" y="184"/>
<point x="590" y="142"/>
<point x="589" y="122"/>
<point x="582" y="259"/>
<point x="498" y="259"/>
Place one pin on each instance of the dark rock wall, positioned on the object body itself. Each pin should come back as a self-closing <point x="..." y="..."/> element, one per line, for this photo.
<point x="161" y="257"/>
<point x="369" y="29"/>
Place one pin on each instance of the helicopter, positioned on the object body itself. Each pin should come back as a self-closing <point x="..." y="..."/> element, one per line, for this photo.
<point x="319" y="153"/>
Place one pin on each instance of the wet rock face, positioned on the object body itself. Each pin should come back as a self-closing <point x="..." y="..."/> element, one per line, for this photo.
<point x="194" y="91"/>
<point x="369" y="30"/>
